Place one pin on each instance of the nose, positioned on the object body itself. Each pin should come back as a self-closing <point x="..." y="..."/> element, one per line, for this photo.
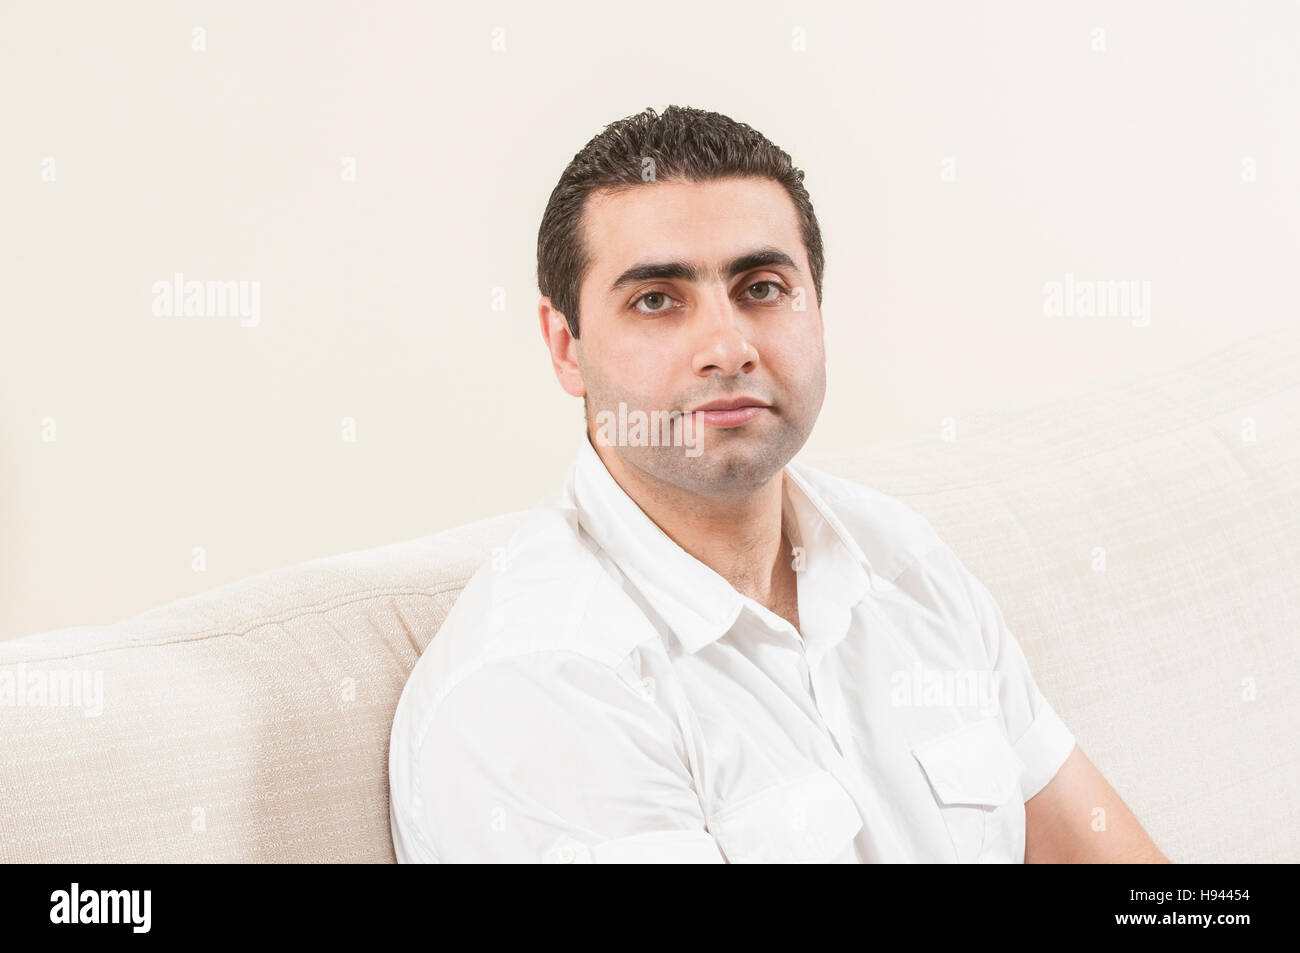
<point x="722" y="339"/>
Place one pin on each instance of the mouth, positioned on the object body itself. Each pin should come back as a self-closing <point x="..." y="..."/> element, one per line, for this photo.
<point x="730" y="413"/>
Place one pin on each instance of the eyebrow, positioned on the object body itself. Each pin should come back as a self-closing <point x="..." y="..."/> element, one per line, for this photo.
<point x="688" y="271"/>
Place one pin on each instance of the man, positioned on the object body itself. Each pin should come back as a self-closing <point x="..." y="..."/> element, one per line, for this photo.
<point x="700" y="650"/>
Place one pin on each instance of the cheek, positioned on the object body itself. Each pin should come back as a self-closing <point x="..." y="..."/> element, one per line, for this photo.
<point x="628" y="372"/>
<point x="800" y="366"/>
<point x="802" y="357"/>
<point x="641" y="367"/>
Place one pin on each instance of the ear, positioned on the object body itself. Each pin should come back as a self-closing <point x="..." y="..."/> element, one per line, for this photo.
<point x="560" y="342"/>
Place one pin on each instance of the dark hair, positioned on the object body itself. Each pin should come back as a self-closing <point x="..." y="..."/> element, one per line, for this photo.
<point x="686" y="144"/>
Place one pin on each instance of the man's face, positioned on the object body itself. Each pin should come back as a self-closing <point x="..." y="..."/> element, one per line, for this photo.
<point x="659" y="340"/>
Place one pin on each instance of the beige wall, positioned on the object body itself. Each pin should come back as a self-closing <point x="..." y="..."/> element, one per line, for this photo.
<point x="1130" y="162"/>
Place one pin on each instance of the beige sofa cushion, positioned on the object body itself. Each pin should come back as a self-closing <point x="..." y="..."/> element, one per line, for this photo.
<point x="248" y="723"/>
<point x="251" y="722"/>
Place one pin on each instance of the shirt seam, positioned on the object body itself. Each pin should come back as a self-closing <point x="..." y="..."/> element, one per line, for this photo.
<point x="916" y="560"/>
<point x="479" y="665"/>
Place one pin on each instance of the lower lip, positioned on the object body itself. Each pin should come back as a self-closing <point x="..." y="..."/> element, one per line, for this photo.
<point x="729" y="418"/>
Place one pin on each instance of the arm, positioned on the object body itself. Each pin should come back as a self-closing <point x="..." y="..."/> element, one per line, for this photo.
<point x="1059" y="821"/>
<point x="546" y="756"/>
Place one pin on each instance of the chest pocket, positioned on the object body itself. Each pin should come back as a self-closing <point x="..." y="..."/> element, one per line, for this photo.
<point x="810" y="820"/>
<point x="975" y="776"/>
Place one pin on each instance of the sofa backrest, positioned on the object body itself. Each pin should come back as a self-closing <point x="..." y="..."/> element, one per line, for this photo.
<point x="247" y="723"/>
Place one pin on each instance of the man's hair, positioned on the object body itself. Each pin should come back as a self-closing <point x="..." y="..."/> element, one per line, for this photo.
<point x="685" y="144"/>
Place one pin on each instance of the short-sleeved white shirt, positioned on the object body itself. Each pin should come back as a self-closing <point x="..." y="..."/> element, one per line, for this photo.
<point x="597" y="694"/>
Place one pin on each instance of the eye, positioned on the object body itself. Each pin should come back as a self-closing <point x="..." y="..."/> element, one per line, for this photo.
<point x="776" y="292"/>
<point x="653" y="298"/>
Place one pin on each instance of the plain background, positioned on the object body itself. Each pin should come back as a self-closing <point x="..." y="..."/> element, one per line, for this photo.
<point x="959" y="156"/>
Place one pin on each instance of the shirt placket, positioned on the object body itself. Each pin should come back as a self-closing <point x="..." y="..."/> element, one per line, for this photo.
<point x="815" y="685"/>
<point x="851" y="769"/>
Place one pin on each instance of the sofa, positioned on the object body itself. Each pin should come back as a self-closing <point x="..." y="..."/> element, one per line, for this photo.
<point x="1141" y="534"/>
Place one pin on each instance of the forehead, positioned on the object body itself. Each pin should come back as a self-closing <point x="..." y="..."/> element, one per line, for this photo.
<point x="704" y="222"/>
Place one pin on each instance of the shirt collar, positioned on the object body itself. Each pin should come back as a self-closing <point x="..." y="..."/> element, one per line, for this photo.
<point x="697" y="603"/>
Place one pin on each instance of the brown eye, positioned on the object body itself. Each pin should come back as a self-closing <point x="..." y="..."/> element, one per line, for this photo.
<point x="656" y="301"/>
<point x="774" y="290"/>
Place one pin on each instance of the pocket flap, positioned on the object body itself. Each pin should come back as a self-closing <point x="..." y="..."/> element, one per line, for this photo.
<point x="806" y="820"/>
<point x="973" y="764"/>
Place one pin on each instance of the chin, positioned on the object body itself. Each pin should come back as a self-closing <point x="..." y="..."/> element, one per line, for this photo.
<point x="732" y="472"/>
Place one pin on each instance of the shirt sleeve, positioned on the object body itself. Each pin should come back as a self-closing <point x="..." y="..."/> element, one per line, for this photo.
<point x="549" y="757"/>
<point x="1039" y="736"/>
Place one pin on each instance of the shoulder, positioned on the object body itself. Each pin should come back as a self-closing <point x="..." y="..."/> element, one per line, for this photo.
<point x="903" y="547"/>
<point x="546" y="601"/>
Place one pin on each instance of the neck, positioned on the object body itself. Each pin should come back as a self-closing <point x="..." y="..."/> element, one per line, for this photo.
<point x="741" y="540"/>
